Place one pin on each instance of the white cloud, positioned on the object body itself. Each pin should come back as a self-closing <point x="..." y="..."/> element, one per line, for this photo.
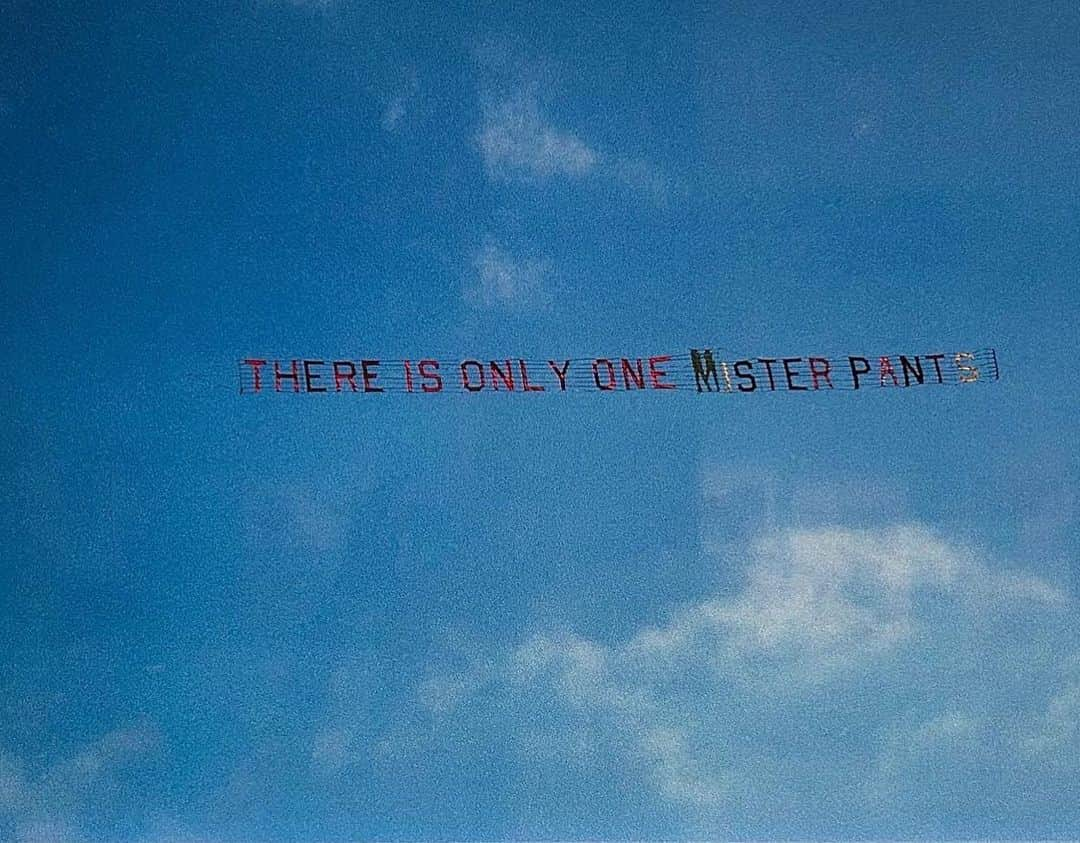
<point x="645" y="178"/>
<point x="393" y="113"/>
<point x="1055" y="730"/>
<point x="301" y="517"/>
<point x="501" y="279"/>
<point x="44" y="806"/>
<point x="899" y="635"/>
<point x="400" y="103"/>
<point x="334" y="749"/>
<point x="585" y="676"/>
<point x="821" y="601"/>
<point x="443" y="693"/>
<point x="516" y="141"/>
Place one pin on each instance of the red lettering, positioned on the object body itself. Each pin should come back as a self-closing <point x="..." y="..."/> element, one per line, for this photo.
<point x="256" y="367"/>
<point x="497" y="375"/>
<point x="279" y="377"/>
<point x="656" y="373"/>
<point x="822" y="372"/>
<point x="629" y="375"/>
<point x="885" y="368"/>
<point x="429" y="371"/>
<point x="340" y="376"/>
<point x="525" y="385"/>
<point x="408" y="377"/>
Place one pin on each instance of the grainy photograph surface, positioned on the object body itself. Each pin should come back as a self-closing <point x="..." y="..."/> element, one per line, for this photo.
<point x="539" y="421"/>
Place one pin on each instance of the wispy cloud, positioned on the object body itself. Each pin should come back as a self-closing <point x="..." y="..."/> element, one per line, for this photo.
<point x="821" y="602"/>
<point x="45" y="805"/>
<point x="903" y="641"/>
<point x="517" y="141"/>
<point x="522" y="141"/>
<point x="645" y="178"/>
<point x="393" y="113"/>
<point x="399" y="104"/>
<point x="503" y="279"/>
<point x="1054" y="732"/>
<point x="335" y="748"/>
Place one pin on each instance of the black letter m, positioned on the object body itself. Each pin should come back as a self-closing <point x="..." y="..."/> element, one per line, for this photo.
<point x="704" y="368"/>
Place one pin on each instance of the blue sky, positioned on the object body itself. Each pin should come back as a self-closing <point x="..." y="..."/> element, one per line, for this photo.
<point x="252" y="618"/>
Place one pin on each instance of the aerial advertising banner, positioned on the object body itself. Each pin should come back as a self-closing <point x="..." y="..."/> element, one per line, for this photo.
<point x="700" y="371"/>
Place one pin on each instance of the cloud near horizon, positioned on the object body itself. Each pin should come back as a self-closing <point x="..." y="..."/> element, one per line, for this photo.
<point x="963" y="675"/>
